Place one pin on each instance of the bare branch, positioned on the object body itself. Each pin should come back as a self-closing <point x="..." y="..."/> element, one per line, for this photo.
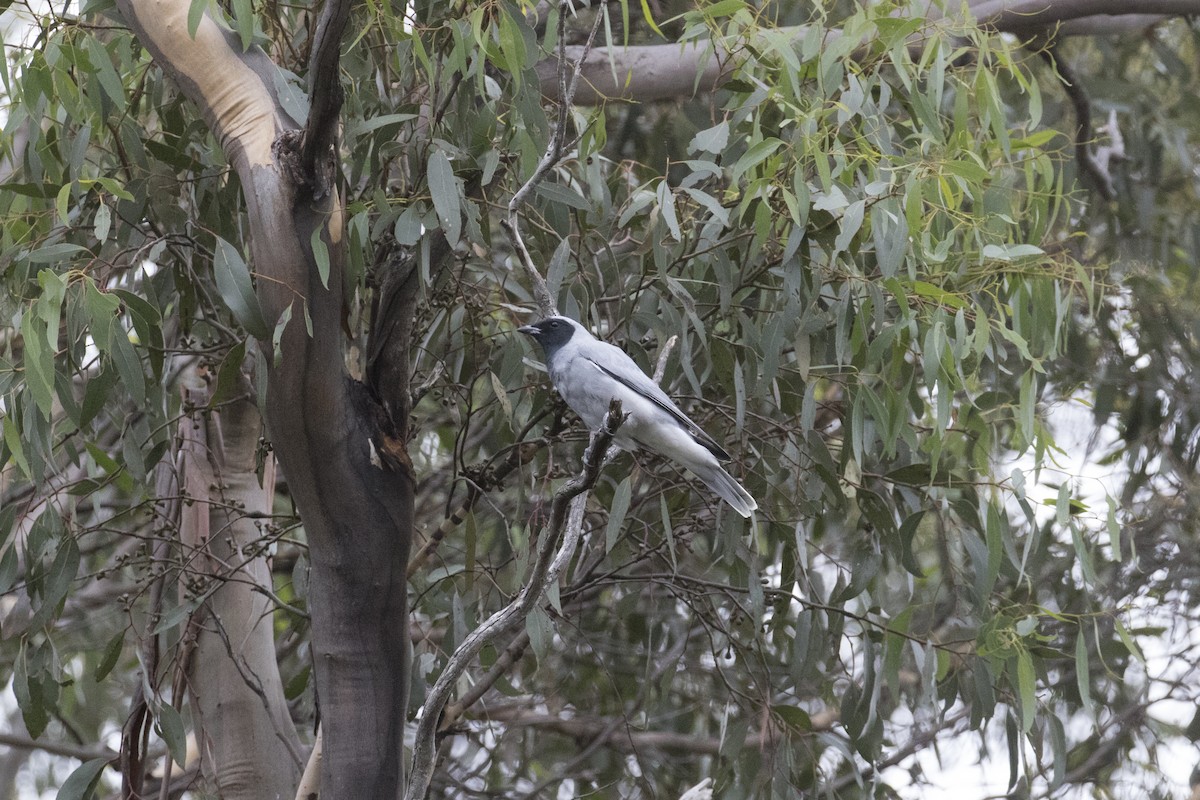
<point x="64" y="749"/>
<point x="625" y="740"/>
<point x="1088" y="165"/>
<point x="550" y="561"/>
<point x="661" y="367"/>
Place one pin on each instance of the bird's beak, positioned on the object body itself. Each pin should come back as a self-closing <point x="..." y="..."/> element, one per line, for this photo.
<point x="529" y="330"/>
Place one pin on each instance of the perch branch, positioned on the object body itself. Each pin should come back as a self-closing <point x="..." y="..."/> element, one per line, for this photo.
<point x="516" y="648"/>
<point x="550" y="561"/>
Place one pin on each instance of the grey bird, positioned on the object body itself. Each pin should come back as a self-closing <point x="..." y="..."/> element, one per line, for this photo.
<point x="589" y="373"/>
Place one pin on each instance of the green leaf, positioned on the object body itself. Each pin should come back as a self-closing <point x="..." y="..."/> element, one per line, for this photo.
<point x="243" y="21"/>
<point x="502" y="396"/>
<point x="650" y="18"/>
<point x="1011" y="252"/>
<point x="237" y="289"/>
<point x="102" y="222"/>
<point x="711" y="140"/>
<point x="128" y="363"/>
<point x="540" y="630"/>
<point x="39" y="365"/>
<point x="616" y="515"/>
<point x="755" y="156"/>
<point x="443" y="188"/>
<point x="12" y="438"/>
<point x="29" y="694"/>
<point x="112" y="653"/>
<point x="1114" y="529"/>
<point x="170" y="727"/>
<point x="1128" y="641"/>
<point x="937" y="294"/>
<point x="794" y="717"/>
<point x="62" y="203"/>
<point x="565" y="195"/>
<point x="57" y="583"/>
<point x="299" y="682"/>
<point x="1083" y="681"/>
<point x="291" y="96"/>
<point x="229" y="372"/>
<point x="512" y="44"/>
<point x="320" y="254"/>
<point x="196" y="9"/>
<point x="82" y="783"/>
<point x="106" y="74"/>
<point x="1026" y="687"/>
<point x="381" y="121"/>
<point x="55" y="253"/>
<point x="277" y="336"/>
<point x="179" y="613"/>
<point x="666" y="205"/>
<point x="557" y="269"/>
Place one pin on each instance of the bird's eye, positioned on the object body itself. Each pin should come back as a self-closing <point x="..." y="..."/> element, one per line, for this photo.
<point x="553" y="324"/>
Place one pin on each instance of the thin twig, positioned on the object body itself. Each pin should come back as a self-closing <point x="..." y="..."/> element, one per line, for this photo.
<point x="550" y="561"/>
<point x="550" y="159"/>
<point x="63" y="749"/>
<point x="660" y="368"/>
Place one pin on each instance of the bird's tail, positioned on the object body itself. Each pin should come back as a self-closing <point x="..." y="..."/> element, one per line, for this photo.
<point x="730" y="490"/>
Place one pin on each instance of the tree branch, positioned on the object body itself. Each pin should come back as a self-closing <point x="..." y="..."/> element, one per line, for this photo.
<point x="622" y="739"/>
<point x="649" y="73"/>
<point x="554" y="149"/>
<point x="1088" y="164"/>
<point x="549" y="564"/>
<point x="1029" y="16"/>
<point x="325" y="97"/>
<point x="58" y="748"/>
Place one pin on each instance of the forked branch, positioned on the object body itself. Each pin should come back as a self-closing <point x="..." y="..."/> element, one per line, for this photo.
<point x="552" y="557"/>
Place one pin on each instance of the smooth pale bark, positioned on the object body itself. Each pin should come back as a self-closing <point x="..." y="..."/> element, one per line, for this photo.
<point x="343" y="458"/>
<point x="233" y="680"/>
<point x="648" y="73"/>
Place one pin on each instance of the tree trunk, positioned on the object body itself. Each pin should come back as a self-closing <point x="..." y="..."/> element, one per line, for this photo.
<point x="342" y="456"/>
<point x="242" y="719"/>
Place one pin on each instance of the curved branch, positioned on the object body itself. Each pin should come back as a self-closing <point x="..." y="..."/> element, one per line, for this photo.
<point x="325" y="96"/>
<point x="1088" y="164"/>
<point x="234" y="90"/>
<point x="550" y="562"/>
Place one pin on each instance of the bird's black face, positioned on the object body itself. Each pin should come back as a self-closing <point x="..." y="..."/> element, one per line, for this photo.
<point x="551" y="333"/>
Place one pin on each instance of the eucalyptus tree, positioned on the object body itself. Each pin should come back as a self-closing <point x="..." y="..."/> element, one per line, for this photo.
<point x="242" y="236"/>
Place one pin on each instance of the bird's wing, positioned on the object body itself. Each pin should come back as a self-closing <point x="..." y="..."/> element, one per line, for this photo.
<point x="625" y="371"/>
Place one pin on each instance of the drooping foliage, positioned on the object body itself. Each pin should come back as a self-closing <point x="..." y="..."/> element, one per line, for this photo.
<point x="870" y="245"/>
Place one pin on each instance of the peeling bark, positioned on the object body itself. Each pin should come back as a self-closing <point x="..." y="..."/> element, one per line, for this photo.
<point x="233" y="679"/>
